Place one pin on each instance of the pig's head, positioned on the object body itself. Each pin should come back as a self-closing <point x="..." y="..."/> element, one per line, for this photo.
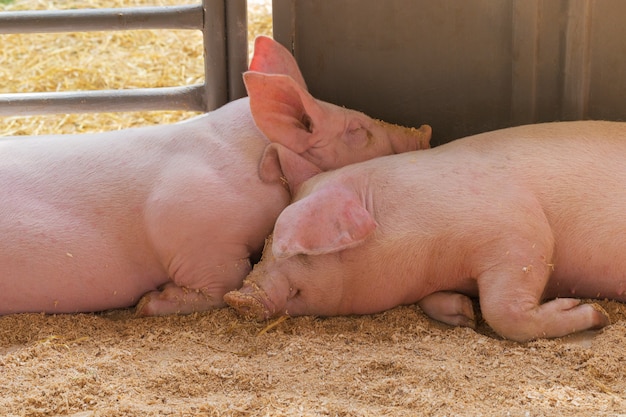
<point x="303" y="268"/>
<point x="326" y="135"/>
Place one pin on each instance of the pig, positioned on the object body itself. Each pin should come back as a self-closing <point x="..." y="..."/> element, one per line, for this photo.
<point x="167" y="217"/>
<point x="529" y="220"/>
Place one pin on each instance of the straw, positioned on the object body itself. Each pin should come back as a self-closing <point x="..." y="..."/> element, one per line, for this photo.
<point x="103" y="60"/>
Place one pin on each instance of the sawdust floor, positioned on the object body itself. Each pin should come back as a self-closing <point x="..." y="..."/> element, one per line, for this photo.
<point x="397" y="363"/>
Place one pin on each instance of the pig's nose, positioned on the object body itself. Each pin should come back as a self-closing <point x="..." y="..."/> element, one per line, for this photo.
<point x="247" y="306"/>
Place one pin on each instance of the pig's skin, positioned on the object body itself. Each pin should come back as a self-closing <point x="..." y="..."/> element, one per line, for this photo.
<point x="92" y="222"/>
<point x="515" y="217"/>
<point x="171" y="213"/>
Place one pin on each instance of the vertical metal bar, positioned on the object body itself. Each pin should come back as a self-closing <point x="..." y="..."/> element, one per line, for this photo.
<point x="236" y="46"/>
<point x="214" y="34"/>
<point x="284" y="23"/>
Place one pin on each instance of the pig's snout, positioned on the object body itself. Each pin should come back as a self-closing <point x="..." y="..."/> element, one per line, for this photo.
<point x="249" y="302"/>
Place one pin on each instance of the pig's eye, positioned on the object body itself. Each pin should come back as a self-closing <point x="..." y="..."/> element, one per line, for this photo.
<point x="293" y="292"/>
<point x="358" y="137"/>
<point x="307" y="123"/>
<point x="304" y="260"/>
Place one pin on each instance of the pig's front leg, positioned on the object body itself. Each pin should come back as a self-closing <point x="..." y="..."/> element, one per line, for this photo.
<point x="203" y="237"/>
<point x="449" y="307"/>
<point x="198" y="290"/>
<point x="172" y="299"/>
<point x="511" y="303"/>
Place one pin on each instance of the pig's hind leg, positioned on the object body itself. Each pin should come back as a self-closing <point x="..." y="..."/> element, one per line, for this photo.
<point x="449" y="307"/>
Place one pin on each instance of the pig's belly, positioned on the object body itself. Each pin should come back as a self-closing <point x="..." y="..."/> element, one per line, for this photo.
<point x="73" y="281"/>
<point x="589" y="259"/>
<point x="600" y="282"/>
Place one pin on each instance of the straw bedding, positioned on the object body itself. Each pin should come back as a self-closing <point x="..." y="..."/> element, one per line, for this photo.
<point x="102" y="60"/>
<point x="398" y="363"/>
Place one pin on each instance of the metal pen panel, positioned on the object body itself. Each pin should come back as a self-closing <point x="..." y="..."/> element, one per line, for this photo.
<point x="224" y="60"/>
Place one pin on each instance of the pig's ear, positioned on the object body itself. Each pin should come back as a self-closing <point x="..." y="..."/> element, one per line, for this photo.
<point x="326" y="221"/>
<point x="283" y="110"/>
<point x="270" y="57"/>
<point x="280" y="164"/>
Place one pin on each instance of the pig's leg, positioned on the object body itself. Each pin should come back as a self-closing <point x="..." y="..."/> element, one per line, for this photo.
<point x="512" y="267"/>
<point x="199" y="287"/>
<point x="511" y="294"/>
<point x="449" y="307"/>
<point x="203" y="244"/>
<point x="194" y="292"/>
<point x="172" y="299"/>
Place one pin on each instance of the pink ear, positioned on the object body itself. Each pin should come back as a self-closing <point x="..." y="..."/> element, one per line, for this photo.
<point x="270" y="57"/>
<point x="279" y="163"/>
<point x="326" y="221"/>
<point x="282" y="109"/>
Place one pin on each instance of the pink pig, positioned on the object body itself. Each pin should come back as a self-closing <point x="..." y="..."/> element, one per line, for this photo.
<point x="518" y="217"/>
<point x="171" y="213"/>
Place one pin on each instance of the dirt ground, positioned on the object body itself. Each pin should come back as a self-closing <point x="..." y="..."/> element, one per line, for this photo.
<point x="398" y="363"/>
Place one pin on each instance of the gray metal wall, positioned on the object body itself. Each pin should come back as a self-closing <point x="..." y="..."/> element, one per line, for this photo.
<point x="463" y="66"/>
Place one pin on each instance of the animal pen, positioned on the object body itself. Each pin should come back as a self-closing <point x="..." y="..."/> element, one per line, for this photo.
<point x="461" y="66"/>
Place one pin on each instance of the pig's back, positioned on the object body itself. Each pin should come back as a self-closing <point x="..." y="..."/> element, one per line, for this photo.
<point x="577" y="172"/>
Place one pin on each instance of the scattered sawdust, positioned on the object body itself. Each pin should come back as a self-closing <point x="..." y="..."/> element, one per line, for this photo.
<point x="398" y="363"/>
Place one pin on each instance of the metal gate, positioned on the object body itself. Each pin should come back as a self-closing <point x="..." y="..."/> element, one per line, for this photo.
<point x="224" y="28"/>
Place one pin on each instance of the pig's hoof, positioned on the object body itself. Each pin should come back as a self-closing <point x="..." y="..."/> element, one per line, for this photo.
<point x="603" y="319"/>
<point x="172" y="299"/>
<point x="449" y="307"/>
<point x="143" y="309"/>
<point x="247" y="306"/>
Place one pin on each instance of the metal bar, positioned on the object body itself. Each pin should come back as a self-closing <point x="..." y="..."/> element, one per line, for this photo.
<point x="236" y="46"/>
<point x="165" y="98"/>
<point x="89" y="20"/>
<point x="214" y="32"/>
<point x="284" y="23"/>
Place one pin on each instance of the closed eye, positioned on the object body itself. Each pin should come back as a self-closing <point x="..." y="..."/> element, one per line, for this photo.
<point x="293" y="292"/>
<point x="304" y="260"/>
<point x="359" y="137"/>
<point x="307" y="123"/>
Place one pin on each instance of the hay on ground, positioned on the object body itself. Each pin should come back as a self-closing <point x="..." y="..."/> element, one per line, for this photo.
<point x="103" y="60"/>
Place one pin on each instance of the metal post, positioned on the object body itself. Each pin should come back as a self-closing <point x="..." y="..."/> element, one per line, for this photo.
<point x="214" y="32"/>
<point x="237" y="46"/>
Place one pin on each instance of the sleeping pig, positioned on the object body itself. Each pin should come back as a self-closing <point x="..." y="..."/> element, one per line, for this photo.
<point x="529" y="219"/>
<point x="172" y="213"/>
